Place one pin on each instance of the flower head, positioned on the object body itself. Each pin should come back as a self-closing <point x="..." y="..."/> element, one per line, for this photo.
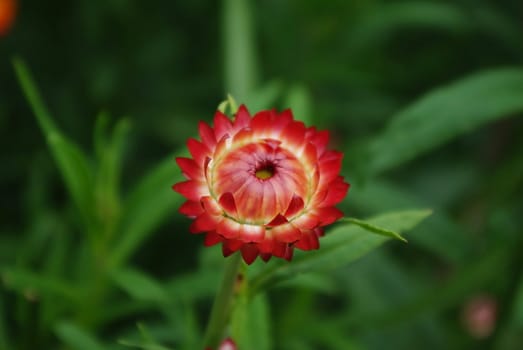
<point x="227" y="344"/>
<point x="7" y="15"/>
<point x="262" y="185"/>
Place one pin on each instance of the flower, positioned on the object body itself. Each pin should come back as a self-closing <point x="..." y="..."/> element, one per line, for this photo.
<point x="227" y="344"/>
<point x="262" y="185"/>
<point x="7" y="15"/>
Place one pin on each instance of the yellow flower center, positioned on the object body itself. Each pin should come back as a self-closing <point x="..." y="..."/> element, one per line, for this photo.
<point x="265" y="173"/>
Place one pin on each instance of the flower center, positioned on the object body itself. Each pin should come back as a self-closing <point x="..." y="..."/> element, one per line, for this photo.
<point x="264" y="172"/>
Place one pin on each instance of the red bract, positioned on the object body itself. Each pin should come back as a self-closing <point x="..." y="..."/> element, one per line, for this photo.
<point x="227" y="344"/>
<point x="7" y="15"/>
<point x="262" y="185"/>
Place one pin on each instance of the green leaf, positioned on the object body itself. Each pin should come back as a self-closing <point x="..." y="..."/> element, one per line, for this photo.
<point x="71" y="161"/>
<point x="264" y="97"/>
<point x="256" y="334"/>
<point x="375" y="229"/>
<point x="34" y="284"/>
<point x="77" y="338"/>
<point x="240" y="54"/>
<point x="298" y="99"/>
<point x="441" y="236"/>
<point x="140" y="286"/>
<point x="141" y="346"/>
<point x="341" y="246"/>
<point x="146" y="207"/>
<point x="4" y="338"/>
<point x="444" y="114"/>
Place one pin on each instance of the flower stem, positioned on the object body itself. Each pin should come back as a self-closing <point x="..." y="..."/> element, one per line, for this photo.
<point x="221" y="308"/>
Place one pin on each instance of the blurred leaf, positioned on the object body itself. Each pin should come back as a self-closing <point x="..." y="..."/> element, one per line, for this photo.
<point x="441" y="235"/>
<point x="298" y="99"/>
<point x="240" y="54"/>
<point x="318" y="282"/>
<point x="140" y="286"/>
<point x="264" y="97"/>
<point x="32" y="283"/>
<point x="341" y="246"/>
<point x="195" y="286"/>
<point x="146" y="207"/>
<point x="147" y="343"/>
<point x="251" y="324"/>
<point x="142" y="346"/>
<point x="375" y="229"/>
<point x="71" y="161"/>
<point x="444" y="114"/>
<point x="474" y="276"/>
<point x="4" y="339"/>
<point x="390" y="18"/>
<point x="77" y="338"/>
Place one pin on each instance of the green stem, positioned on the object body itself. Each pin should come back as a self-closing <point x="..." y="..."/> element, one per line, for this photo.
<point x="221" y="308"/>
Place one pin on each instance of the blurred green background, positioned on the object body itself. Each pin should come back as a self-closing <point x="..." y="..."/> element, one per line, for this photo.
<point x="425" y="99"/>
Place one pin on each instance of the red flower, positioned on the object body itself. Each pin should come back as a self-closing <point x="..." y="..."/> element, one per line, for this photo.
<point x="7" y="15"/>
<point x="227" y="344"/>
<point x="262" y="185"/>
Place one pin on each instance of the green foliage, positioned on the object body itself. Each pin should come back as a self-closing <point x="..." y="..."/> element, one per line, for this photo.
<point x="423" y="97"/>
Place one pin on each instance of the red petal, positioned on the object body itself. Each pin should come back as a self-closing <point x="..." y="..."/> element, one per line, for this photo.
<point x="243" y="136"/>
<point x="278" y="220"/>
<point x="294" y="135"/>
<point x="212" y="238"/>
<point x="227" y="202"/>
<point x="191" y="209"/>
<point x="252" y="233"/>
<point x="243" y="118"/>
<point x="189" y="168"/>
<point x="328" y="215"/>
<point x="320" y="139"/>
<point x="306" y="221"/>
<point x="203" y="223"/>
<point x="210" y="206"/>
<point x="330" y="167"/>
<point x="190" y="189"/>
<point x="283" y="250"/>
<point x="288" y="253"/>
<point x="230" y="246"/>
<point x="229" y="229"/>
<point x="295" y="206"/>
<point x="336" y="191"/>
<point x="222" y="125"/>
<point x="249" y="253"/>
<point x="198" y="151"/>
<point x="207" y="135"/>
<point x="286" y="233"/>
<point x="308" y="242"/>
<point x="265" y="257"/>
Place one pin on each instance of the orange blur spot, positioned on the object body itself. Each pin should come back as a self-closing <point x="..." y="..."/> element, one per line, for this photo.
<point x="7" y="15"/>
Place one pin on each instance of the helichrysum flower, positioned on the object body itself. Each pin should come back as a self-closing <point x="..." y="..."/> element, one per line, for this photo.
<point x="227" y="344"/>
<point x="262" y="185"/>
<point x="7" y="15"/>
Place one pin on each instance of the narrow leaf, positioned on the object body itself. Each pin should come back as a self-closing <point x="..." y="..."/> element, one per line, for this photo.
<point x="444" y="114"/>
<point x="36" y="284"/>
<point x="341" y="246"/>
<point x="4" y="338"/>
<point x="240" y="57"/>
<point x="140" y="286"/>
<point x="71" y="161"/>
<point x="375" y="229"/>
<point x="77" y="338"/>
<point x="299" y="100"/>
<point x="146" y="207"/>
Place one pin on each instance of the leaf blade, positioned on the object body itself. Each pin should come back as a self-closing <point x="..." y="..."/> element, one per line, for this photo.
<point x="341" y="246"/>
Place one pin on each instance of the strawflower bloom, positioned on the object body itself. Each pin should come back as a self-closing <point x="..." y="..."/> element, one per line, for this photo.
<point x="227" y="344"/>
<point x="262" y="185"/>
<point x="7" y="15"/>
